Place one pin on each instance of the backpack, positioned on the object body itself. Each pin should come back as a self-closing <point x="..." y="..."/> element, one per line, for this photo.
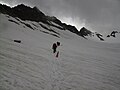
<point x="54" y="46"/>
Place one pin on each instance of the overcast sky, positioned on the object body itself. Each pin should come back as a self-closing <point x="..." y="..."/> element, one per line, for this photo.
<point x="96" y="15"/>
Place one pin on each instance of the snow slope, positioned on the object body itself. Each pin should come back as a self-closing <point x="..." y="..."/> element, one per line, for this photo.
<point x="30" y="65"/>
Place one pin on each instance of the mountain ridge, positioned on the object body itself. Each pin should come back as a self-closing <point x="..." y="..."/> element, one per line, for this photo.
<point x="33" y="14"/>
<point x="25" y="12"/>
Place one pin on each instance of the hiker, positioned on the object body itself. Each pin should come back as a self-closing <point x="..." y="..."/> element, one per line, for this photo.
<point x="55" y="49"/>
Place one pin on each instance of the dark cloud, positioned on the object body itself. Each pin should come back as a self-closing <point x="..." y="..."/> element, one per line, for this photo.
<point x="98" y="15"/>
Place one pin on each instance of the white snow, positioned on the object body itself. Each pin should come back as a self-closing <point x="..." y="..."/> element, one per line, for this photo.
<point x="30" y="65"/>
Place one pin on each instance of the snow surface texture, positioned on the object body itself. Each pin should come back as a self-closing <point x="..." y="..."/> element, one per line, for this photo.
<point x="30" y="65"/>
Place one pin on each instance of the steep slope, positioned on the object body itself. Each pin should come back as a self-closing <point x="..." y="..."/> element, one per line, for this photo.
<point x="34" y="14"/>
<point x="30" y="65"/>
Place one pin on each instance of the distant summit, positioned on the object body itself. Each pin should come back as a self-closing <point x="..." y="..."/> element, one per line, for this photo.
<point x="89" y="34"/>
<point x="85" y="32"/>
<point x="113" y="34"/>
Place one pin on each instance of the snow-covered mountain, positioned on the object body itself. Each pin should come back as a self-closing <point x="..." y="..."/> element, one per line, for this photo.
<point x="27" y="61"/>
<point x="113" y="37"/>
<point x="90" y="35"/>
<point x="34" y="14"/>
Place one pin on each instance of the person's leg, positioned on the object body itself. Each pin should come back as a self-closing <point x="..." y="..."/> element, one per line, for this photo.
<point x="54" y="50"/>
<point x="57" y="54"/>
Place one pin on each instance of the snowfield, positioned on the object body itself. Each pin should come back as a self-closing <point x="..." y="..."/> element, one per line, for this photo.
<point x="30" y="65"/>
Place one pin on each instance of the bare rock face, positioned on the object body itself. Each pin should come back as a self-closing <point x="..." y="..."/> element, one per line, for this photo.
<point x="85" y="32"/>
<point x="17" y="41"/>
<point x="113" y="34"/>
<point x="23" y="12"/>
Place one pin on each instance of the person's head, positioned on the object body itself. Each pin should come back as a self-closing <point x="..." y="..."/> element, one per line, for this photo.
<point x="58" y="43"/>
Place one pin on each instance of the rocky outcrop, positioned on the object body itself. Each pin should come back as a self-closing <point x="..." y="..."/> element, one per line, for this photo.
<point x="23" y="12"/>
<point x="85" y="32"/>
<point x="113" y="34"/>
<point x="100" y="36"/>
